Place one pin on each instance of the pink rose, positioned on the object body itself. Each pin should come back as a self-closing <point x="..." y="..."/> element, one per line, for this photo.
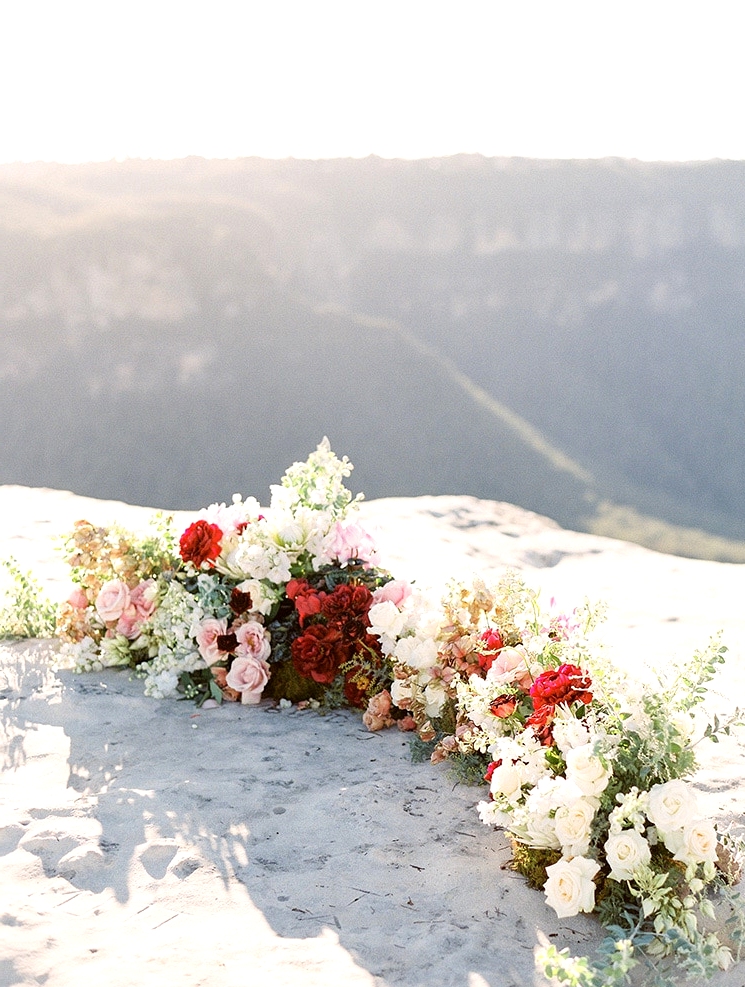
<point x="209" y="630"/>
<point x="511" y="665"/>
<point x="78" y="599"/>
<point x="112" y="600"/>
<point x="396" y="591"/>
<point x="253" y="641"/>
<point x="143" y="598"/>
<point x="248" y="675"/>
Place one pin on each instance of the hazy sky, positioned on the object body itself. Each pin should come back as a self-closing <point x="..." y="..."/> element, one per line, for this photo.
<point x="99" y="79"/>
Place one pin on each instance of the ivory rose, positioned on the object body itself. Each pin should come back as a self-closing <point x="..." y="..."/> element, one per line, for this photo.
<point x="586" y="770"/>
<point x="672" y="806"/>
<point x="573" y="823"/>
<point x="248" y="675"/>
<point x="570" y="888"/>
<point x="695" y="843"/>
<point x="112" y="600"/>
<point x="626" y="852"/>
<point x="386" y="620"/>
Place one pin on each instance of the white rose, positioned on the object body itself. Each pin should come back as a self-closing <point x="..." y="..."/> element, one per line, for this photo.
<point x="696" y="843"/>
<point x="569" y="888"/>
<point x="434" y="697"/>
<point x="386" y="618"/>
<point x="586" y="770"/>
<point x="626" y="852"/>
<point x="672" y="806"/>
<point x="506" y="780"/>
<point x="573" y="823"/>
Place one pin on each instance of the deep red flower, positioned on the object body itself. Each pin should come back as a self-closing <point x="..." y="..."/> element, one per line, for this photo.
<point x="306" y="599"/>
<point x="318" y="652"/>
<point x="494" y="643"/>
<point x="227" y="643"/>
<point x="491" y="769"/>
<point x="355" y="688"/>
<point x="504" y="705"/>
<point x="565" y="684"/>
<point x="542" y="721"/>
<point x="200" y="542"/>
<point x="240" y="602"/>
<point x="347" y="608"/>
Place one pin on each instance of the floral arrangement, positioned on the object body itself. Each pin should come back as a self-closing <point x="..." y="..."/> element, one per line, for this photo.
<point x="248" y="602"/>
<point x="586" y="773"/>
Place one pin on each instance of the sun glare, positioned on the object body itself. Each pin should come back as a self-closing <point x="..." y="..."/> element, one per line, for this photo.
<point x="94" y="81"/>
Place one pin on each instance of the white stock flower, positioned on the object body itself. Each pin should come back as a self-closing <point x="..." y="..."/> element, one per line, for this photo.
<point x="672" y="806"/>
<point x="570" y="888"/>
<point x="626" y="852"/>
<point x="586" y="770"/>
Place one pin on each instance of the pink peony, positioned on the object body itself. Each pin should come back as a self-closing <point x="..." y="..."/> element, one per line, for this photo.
<point x="248" y="675"/>
<point x="208" y="631"/>
<point x="253" y="641"/>
<point x="396" y="591"/>
<point x="112" y="600"/>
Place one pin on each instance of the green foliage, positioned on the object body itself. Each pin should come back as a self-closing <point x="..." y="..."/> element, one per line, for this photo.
<point x="29" y="613"/>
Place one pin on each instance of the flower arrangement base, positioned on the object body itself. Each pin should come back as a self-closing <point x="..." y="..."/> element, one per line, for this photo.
<point x="532" y="862"/>
<point x="287" y="683"/>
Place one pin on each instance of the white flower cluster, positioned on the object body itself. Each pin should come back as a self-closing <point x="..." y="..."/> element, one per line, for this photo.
<point x="173" y="649"/>
<point x="303" y="526"/>
<point x="408" y="634"/>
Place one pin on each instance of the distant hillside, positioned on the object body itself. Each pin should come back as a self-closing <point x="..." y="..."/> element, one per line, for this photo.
<point x="567" y="336"/>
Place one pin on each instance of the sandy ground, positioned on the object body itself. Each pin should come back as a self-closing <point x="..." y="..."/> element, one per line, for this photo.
<point x="146" y="842"/>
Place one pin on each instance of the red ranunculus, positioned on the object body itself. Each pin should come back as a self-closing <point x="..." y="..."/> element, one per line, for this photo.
<point x="306" y="599"/>
<point x="565" y="684"/>
<point x="200" y="542"/>
<point x="318" y="652"/>
<point x="503" y="706"/>
<point x="494" y="642"/>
